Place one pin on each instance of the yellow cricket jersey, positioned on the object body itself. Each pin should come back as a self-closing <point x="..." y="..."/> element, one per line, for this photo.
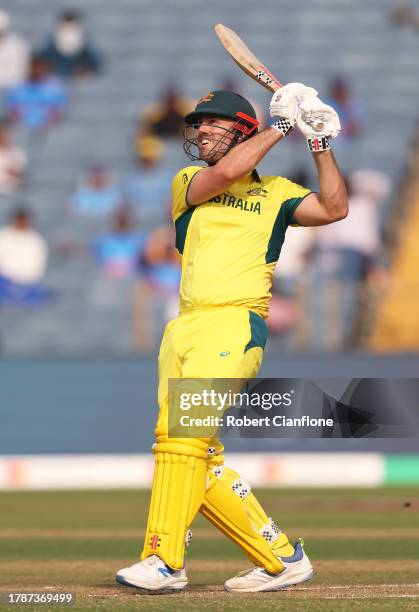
<point x="230" y="244"/>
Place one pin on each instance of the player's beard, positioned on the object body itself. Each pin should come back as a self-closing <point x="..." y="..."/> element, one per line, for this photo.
<point x="195" y="150"/>
<point x="212" y="154"/>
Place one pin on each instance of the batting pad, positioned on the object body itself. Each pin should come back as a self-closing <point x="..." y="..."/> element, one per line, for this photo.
<point x="230" y="505"/>
<point x="178" y="490"/>
<point x="259" y="520"/>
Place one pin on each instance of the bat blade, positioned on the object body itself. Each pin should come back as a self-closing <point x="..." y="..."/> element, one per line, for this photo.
<point x="248" y="62"/>
<point x="245" y="59"/>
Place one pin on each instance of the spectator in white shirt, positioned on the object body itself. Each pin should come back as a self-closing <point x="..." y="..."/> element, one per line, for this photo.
<point x="354" y="242"/>
<point x="344" y="257"/>
<point x="14" y="55"/>
<point x="23" y="251"/>
<point x="12" y="162"/>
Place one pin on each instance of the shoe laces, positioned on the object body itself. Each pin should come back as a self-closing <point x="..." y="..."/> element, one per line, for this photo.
<point x="153" y="560"/>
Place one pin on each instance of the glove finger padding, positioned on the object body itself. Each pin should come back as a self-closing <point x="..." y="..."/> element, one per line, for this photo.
<point x="285" y="101"/>
<point x="312" y="112"/>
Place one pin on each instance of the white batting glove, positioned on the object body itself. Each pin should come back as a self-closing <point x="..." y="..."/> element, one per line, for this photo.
<point x="286" y="100"/>
<point x="313" y="112"/>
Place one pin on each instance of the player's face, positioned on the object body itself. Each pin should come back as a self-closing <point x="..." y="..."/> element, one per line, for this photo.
<point x="214" y="137"/>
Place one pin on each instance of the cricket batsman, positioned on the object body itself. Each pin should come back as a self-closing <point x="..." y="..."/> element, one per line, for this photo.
<point x="230" y="226"/>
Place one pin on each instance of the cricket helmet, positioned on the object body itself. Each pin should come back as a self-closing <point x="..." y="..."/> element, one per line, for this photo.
<point x="225" y="104"/>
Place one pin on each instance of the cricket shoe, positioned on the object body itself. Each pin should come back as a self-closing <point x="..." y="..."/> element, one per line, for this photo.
<point x="152" y="574"/>
<point x="296" y="569"/>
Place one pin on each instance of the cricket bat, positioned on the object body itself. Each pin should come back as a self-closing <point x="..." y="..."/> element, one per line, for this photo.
<point x="248" y="62"/>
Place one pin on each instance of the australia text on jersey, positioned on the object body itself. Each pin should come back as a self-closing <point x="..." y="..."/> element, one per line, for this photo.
<point x="230" y="200"/>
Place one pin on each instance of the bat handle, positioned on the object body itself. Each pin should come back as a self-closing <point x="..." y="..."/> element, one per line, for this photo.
<point x="319" y="126"/>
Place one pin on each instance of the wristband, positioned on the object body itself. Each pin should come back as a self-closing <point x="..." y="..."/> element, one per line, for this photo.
<point x="283" y="126"/>
<point x="318" y="143"/>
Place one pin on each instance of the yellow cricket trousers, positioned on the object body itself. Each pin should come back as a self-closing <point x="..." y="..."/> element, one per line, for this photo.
<point x="218" y="342"/>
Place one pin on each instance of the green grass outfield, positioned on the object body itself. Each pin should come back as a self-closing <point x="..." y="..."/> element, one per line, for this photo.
<point x="364" y="545"/>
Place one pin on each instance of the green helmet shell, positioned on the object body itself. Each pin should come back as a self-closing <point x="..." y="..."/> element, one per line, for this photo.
<point x="222" y="103"/>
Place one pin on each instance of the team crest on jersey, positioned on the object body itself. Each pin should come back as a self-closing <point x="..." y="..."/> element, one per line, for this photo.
<point x="258" y="191"/>
<point x="206" y="98"/>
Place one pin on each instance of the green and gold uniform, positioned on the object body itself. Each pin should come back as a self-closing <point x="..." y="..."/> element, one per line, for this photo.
<point x="229" y="247"/>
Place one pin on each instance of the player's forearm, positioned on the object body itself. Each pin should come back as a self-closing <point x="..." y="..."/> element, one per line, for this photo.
<point x="333" y="196"/>
<point x="244" y="157"/>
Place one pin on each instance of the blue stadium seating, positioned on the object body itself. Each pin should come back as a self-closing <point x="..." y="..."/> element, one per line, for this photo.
<point x="148" y="44"/>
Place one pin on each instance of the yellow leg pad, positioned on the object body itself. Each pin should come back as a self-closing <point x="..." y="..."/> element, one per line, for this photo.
<point x="224" y="507"/>
<point x="194" y="447"/>
<point x="259" y="519"/>
<point x="177" y="493"/>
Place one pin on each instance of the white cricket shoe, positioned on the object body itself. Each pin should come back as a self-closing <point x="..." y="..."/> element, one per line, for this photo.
<point x="153" y="574"/>
<point x="296" y="569"/>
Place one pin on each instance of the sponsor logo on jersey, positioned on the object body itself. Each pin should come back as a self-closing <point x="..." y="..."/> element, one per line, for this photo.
<point x="229" y="200"/>
<point x="258" y="191"/>
<point x="223" y="354"/>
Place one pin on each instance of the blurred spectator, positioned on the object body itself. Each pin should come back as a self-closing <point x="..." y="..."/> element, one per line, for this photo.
<point x="405" y="15"/>
<point x="345" y="254"/>
<point x="296" y="249"/>
<point x="38" y="102"/>
<point x="156" y="296"/>
<point x="166" y="117"/>
<point x="285" y="313"/>
<point x="147" y="189"/>
<point x="23" y="251"/>
<point x="68" y="51"/>
<point x="118" y="251"/>
<point x="14" y="55"/>
<point x="12" y="162"/>
<point x="348" y="109"/>
<point x="23" y="259"/>
<point x="97" y="194"/>
<point x="301" y="176"/>
<point x="292" y="269"/>
<point x="160" y="262"/>
<point x="357" y="238"/>
<point x="370" y="184"/>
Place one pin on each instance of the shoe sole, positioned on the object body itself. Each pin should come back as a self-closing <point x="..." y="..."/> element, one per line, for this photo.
<point x="271" y="585"/>
<point x="148" y="591"/>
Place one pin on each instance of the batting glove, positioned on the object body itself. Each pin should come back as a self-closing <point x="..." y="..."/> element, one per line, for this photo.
<point x="313" y="112"/>
<point x="286" y="100"/>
